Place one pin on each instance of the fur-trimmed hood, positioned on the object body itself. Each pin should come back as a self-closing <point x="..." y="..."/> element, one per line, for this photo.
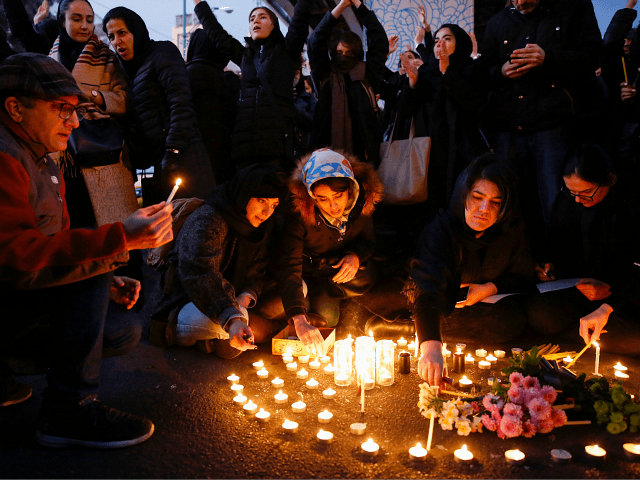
<point x="365" y="174"/>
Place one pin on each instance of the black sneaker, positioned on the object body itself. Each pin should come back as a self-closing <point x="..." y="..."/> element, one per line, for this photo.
<point x="95" y="425"/>
<point x="14" y="393"/>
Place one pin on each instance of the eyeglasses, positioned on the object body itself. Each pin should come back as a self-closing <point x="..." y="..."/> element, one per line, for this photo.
<point x="588" y="198"/>
<point x="66" y="111"/>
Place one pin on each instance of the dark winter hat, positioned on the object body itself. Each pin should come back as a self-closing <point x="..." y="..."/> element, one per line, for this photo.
<point x="38" y="76"/>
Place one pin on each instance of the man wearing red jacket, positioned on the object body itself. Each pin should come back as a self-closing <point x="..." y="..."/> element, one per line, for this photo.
<point x="55" y="275"/>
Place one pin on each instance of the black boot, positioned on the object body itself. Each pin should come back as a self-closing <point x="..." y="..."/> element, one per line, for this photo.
<point x="392" y="329"/>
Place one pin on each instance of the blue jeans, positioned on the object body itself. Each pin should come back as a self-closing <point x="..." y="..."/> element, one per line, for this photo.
<point x="66" y="326"/>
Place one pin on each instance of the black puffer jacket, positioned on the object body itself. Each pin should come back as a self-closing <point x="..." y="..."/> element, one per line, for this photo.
<point x="546" y="96"/>
<point x="259" y="133"/>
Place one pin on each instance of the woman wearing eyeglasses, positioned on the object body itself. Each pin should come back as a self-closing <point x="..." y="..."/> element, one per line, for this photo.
<point x="594" y="236"/>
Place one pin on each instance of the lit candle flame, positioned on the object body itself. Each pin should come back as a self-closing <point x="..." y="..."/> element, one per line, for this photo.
<point x="178" y="182"/>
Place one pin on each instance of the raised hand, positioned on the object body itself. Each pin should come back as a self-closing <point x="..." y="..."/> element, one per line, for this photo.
<point x="42" y="13"/>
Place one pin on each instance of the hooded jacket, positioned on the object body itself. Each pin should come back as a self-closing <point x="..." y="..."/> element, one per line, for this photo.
<point x="259" y="130"/>
<point x="307" y="236"/>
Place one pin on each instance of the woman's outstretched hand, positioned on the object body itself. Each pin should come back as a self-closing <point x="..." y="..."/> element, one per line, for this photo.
<point x="309" y="335"/>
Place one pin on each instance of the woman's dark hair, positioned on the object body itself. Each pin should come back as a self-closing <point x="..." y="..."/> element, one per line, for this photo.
<point x="63" y="7"/>
<point x="488" y="167"/>
<point x="349" y="39"/>
<point x="272" y="16"/>
<point x="411" y="52"/>
<point x="592" y="164"/>
<point x="337" y="184"/>
<point x="464" y="45"/>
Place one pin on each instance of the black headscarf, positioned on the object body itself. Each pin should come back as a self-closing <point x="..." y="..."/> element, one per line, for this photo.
<point x="464" y="45"/>
<point x="69" y="49"/>
<point x="201" y="49"/>
<point x="142" y="43"/>
<point x="276" y="34"/>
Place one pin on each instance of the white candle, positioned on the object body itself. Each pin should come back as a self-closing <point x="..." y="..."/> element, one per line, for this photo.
<point x="469" y="360"/>
<point x="302" y="374"/>
<point x="329" y="393"/>
<point x="175" y="189"/>
<point x="303" y="359"/>
<point x="280" y="397"/>
<point x="481" y="352"/>
<point x="362" y="395"/>
<point x="499" y="353"/>
<point x="618" y="366"/>
<point x="263" y="374"/>
<point x="446" y="353"/>
<point x="239" y="400"/>
<point x="325" y="417"/>
<point x="358" y="428"/>
<point x="368" y="383"/>
<point x="250" y="408"/>
<point x="463" y="455"/>
<point x="329" y="369"/>
<point x="560" y="456"/>
<point x="490" y="358"/>
<point x="597" y="359"/>
<point x="237" y="388"/>
<point x="259" y="365"/>
<point x="233" y="378"/>
<point x="277" y="382"/>
<point x="314" y="365"/>
<point x="312" y="384"/>
<point x="595" y="452"/>
<point x="299" y="407"/>
<point x="514" y="457"/>
<point x="324" y="437"/>
<point x="517" y="352"/>
<point x="417" y="452"/>
<point x="325" y="359"/>
<point x="484" y="365"/>
<point x="402" y="342"/>
<point x="292" y="366"/>
<point x="287" y="359"/>
<point x="262" y="416"/>
<point x="621" y="375"/>
<point x="370" y="448"/>
<point x="341" y="379"/>
<point x="290" y="427"/>
<point x="632" y="450"/>
<point x="465" y="383"/>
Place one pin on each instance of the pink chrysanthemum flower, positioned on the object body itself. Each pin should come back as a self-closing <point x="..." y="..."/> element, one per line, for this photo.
<point x="516" y="379"/>
<point x="559" y="418"/>
<point x="516" y="395"/>
<point x="549" y="394"/>
<point x="511" y="426"/>
<point x="530" y="382"/>
<point x="528" y="429"/>
<point x="512" y="409"/>
<point x="530" y="394"/>
<point x="500" y="432"/>
<point x="496" y="417"/>
<point x="539" y="409"/>
<point x="492" y="402"/>
<point x="489" y="422"/>
<point x="544" y="426"/>
<point x="475" y="406"/>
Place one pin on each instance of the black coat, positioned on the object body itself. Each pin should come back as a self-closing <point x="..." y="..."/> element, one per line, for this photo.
<point x="260" y="128"/>
<point x="367" y="131"/>
<point x="545" y="96"/>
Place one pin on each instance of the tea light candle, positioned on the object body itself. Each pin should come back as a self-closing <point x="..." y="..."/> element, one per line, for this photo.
<point x="514" y="457"/>
<point x="446" y="353"/>
<point x="463" y="455"/>
<point x="250" y="408"/>
<point x="277" y="382"/>
<point x="632" y="450"/>
<point x="329" y="393"/>
<point x="490" y="381"/>
<point x="299" y="406"/>
<point x="411" y="346"/>
<point x="314" y="365"/>
<point x="417" y="452"/>
<point x="262" y="416"/>
<point x="499" y="353"/>
<point x="263" y="374"/>
<point x="173" y="192"/>
<point x="358" y="428"/>
<point x="596" y="453"/>
<point x="292" y="367"/>
<point x="329" y="369"/>
<point x="290" y="427"/>
<point x="302" y="374"/>
<point x="621" y="368"/>
<point x="517" y="352"/>
<point x="324" y="437"/>
<point x="341" y="380"/>
<point x="303" y="359"/>
<point x="484" y="365"/>
<point x="461" y="346"/>
<point x="280" y="397"/>
<point x="233" y="378"/>
<point x="560" y="456"/>
<point x="492" y="359"/>
<point x="325" y="359"/>
<point x="402" y="342"/>
<point x="312" y="384"/>
<point x="259" y="365"/>
<point x="287" y="359"/>
<point x="239" y="400"/>
<point x="370" y="448"/>
<point x="368" y="383"/>
<point x="621" y="375"/>
<point x="325" y="417"/>
<point x="465" y="384"/>
<point x="469" y="360"/>
<point x="237" y="389"/>
<point x="481" y="352"/>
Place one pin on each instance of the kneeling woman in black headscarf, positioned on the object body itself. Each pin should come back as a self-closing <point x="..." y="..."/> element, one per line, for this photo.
<point x="218" y="263"/>
<point x="164" y="133"/>
<point x="479" y="242"/>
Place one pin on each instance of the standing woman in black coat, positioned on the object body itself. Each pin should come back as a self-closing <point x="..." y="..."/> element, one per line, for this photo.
<point x="346" y="116"/>
<point x="164" y="133"/>
<point x="264" y="123"/>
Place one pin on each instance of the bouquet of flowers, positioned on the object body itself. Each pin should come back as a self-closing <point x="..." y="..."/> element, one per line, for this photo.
<point x="464" y="416"/>
<point x="526" y="411"/>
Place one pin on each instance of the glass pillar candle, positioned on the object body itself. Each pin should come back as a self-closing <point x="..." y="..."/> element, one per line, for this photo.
<point x="343" y="362"/>
<point x="385" y="362"/>
<point x="365" y="361"/>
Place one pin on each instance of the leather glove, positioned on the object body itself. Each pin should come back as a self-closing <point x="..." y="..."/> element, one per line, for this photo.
<point x="170" y="169"/>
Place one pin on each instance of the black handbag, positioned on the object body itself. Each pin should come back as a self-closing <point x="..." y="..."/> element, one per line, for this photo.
<point x="96" y="143"/>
